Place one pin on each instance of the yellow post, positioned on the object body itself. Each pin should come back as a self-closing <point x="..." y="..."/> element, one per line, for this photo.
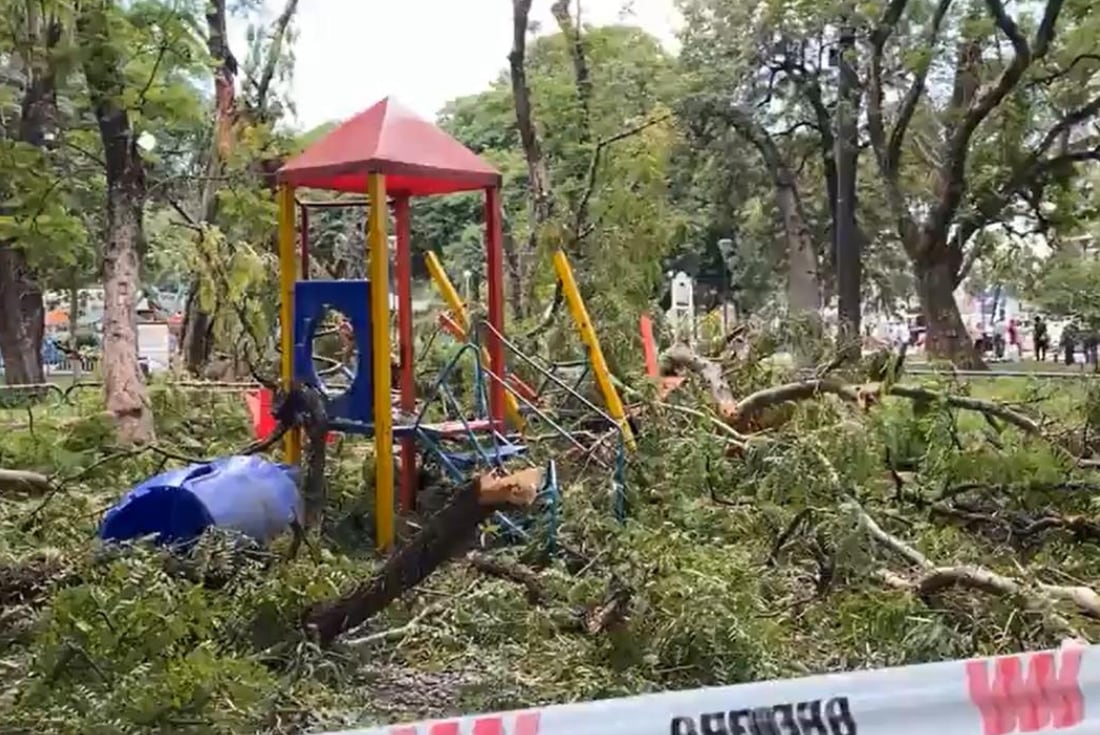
<point x="462" y="319"/>
<point x="595" y="353"/>
<point x="380" y="342"/>
<point x="288" y="274"/>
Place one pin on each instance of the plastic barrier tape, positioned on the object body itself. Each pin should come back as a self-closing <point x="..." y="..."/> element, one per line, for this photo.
<point x="1045" y="692"/>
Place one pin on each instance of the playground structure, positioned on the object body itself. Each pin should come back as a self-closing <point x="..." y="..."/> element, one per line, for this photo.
<point x="391" y="155"/>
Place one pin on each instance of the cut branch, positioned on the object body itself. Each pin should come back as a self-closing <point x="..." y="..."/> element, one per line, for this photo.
<point x="933" y="579"/>
<point x="867" y="395"/>
<point x="512" y="572"/>
<point x="441" y="538"/>
<point x="681" y="357"/>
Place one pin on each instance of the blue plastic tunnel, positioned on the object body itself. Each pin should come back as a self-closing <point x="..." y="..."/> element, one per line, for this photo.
<point x="247" y="494"/>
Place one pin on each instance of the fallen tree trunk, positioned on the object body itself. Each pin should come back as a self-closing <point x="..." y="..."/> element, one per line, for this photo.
<point x="444" y="536"/>
<point x="869" y="394"/>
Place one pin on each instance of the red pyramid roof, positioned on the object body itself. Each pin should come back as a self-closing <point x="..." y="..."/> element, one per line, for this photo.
<point x="416" y="156"/>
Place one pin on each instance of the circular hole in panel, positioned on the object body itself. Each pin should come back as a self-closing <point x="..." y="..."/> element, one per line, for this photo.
<point x="335" y="356"/>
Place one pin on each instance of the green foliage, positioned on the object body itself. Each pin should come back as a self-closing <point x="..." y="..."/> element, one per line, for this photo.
<point x="633" y="224"/>
<point x="1070" y="287"/>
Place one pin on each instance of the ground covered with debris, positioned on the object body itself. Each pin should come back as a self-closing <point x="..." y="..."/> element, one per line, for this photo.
<point x="858" y="525"/>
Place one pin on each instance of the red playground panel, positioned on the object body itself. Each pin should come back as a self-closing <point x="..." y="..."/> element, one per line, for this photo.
<point x="259" y="410"/>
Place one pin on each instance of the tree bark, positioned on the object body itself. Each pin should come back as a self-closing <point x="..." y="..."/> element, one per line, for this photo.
<point x="946" y="335"/>
<point x="122" y="377"/>
<point x="22" y="311"/>
<point x="22" y="318"/>
<point x="849" y="271"/>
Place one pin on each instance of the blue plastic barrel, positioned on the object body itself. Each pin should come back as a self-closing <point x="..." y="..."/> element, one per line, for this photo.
<point x="247" y="494"/>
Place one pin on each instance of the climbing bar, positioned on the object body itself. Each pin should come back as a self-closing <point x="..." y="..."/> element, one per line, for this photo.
<point x="565" y="433"/>
<point x="288" y="266"/>
<point x="1028" y="693"/>
<point x="595" y="353"/>
<point x="459" y="325"/>
<point x="549" y="375"/>
<point x="379" y="265"/>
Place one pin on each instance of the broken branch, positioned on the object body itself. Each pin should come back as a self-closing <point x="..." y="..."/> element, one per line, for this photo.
<point x="24" y="480"/>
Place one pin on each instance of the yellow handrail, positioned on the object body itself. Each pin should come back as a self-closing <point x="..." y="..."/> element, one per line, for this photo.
<point x="595" y="353"/>
<point x="462" y="320"/>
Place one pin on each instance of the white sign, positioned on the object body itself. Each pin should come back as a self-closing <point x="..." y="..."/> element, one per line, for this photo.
<point x="155" y="345"/>
<point x="682" y="314"/>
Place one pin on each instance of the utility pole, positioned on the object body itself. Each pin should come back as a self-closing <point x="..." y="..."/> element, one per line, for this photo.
<point x="848" y="256"/>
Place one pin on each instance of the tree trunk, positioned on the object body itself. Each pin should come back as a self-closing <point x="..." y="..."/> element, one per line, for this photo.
<point x="122" y="377"/>
<point x="803" y="289"/>
<point x="22" y="312"/>
<point x="197" y="340"/>
<point x="123" y="382"/>
<point x="847" y="246"/>
<point x="803" y="294"/>
<point x="22" y="319"/>
<point x="514" y="271"/>
<point x="946" y="336"/>
<point x="196" y="343"/>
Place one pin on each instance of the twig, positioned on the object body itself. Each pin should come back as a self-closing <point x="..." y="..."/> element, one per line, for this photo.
<point x="725" y="428"/>
<point x="800" y="518"/>
<point x="513" y="572"/>
<point x="402" y="630"/>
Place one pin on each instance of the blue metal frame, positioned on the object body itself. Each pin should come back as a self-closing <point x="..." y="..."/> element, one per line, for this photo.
<point x="353" y="409"/>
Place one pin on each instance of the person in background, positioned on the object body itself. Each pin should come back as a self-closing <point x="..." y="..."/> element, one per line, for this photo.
<point x="1013" y="340"/>
<point x="1089" y="341"/>
<point x="1040" y="337"/>
<point x="1069" y="342"/>
<point x="999" y="336"/>
<point x="901" y="334"/>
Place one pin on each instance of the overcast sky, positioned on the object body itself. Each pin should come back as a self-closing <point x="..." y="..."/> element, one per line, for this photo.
<point x="433" y="49"/>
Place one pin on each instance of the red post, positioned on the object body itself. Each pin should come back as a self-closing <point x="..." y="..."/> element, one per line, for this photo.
<point x="303" y="220"/>
<point x="494" y="271"/>
<point x="403" y="276"/>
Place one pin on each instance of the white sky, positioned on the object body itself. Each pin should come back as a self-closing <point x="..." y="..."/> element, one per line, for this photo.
<point x="433" y="50"/>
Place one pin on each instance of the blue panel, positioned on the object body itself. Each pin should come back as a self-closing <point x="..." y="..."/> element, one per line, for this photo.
<point x="352" y="298"/>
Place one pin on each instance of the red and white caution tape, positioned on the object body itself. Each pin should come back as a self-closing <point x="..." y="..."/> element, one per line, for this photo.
<point x="1046" y="692"/>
